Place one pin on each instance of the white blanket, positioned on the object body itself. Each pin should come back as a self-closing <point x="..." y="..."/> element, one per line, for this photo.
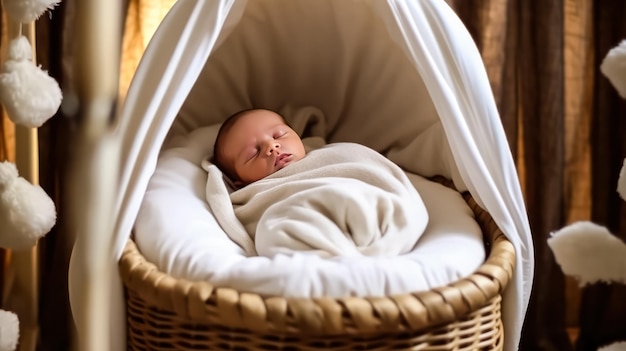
<point x="341" y="200"/>
<point x="177" y="231"/>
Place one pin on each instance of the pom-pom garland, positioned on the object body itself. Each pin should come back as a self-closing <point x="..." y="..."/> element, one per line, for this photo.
<point x="9" y="331"/>
<point x="27" y="213"/>
<point x="29" y="95"/>
<point x="25" y="11"/>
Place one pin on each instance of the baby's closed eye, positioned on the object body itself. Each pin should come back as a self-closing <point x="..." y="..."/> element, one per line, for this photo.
<point x="280" y="135"/>
<point x="252" y="153"/>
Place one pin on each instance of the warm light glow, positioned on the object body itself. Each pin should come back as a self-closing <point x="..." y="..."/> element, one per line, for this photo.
<point x="142" y="20"/>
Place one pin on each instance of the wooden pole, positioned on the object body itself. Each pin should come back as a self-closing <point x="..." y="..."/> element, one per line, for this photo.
<point x="94" y="168"/>
<point x="24" y="293"/>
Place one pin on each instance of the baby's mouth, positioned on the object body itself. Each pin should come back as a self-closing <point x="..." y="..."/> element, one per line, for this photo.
<point x="281" y="160"/>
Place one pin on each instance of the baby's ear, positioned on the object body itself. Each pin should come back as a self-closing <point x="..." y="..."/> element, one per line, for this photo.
<point x="233" y="184"/>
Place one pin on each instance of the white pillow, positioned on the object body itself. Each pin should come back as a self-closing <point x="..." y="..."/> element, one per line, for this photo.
<point x="176" y="230"/>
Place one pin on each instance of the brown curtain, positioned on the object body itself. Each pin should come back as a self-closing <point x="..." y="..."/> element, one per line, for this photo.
<point x="563" y="121"/>
<point x="55" y="53"/>
<point x="521" y="43"/>
<point x="603" y="308"/>
<point x="540" y="106"/>
<point x="142" y="19"/>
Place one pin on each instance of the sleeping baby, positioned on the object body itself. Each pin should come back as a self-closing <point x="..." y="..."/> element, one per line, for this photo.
<point x="342" y="199"/>
<point x="253" y="144"/>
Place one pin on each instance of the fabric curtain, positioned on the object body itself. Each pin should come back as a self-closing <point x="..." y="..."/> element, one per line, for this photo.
<point x="603" y="308"/>
<point x="563" y="120"/>
<point x="580" y="70"/>
<point x="142" y="19"/>
<point x="55" y="54"/>
<point x="522" y="43"/>
<point x="541" y="108"/>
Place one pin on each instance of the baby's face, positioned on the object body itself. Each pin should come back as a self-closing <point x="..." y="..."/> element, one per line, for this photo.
<point x="259" y="144"/>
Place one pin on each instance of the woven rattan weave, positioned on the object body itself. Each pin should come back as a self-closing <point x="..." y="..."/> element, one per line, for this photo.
<point x="165" y="313"/>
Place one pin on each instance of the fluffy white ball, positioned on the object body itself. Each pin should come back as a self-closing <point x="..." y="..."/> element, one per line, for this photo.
<point x="26" y="11"/>
<point x="618" y="346"/>
<point x="621" y="182"/>
<point x="28" y="93"/>
<point x="26" y="212"/>
<point x="589" y="253"/>
<point x="614" y="67"/>
<point x="9" y="330"/>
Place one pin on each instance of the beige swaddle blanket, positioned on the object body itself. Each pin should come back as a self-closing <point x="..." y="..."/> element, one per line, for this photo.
<point x="343" y="199"/>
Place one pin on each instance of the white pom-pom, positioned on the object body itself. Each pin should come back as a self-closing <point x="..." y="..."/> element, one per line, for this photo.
<point x="9" y="330"/>
<point x="621" y="182"/>
<point x="26" y="212"/>
<point x="614" y="68"/>
<point x="20" y="49"/>
<point x="618" y="346"/>
<point x="28" y="93"/>
<point x="589" y="253"/>
<point x="26" y="11"/>
<point x="8" y="174"/>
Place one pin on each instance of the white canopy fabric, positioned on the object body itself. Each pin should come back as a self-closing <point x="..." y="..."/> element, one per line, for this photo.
<point x="434" y="41"/>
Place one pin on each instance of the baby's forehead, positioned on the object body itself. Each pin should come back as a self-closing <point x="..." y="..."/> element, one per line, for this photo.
<point x="241" y="133"/>
<point x="261" y="117"/>
<point x="253" y="124"/>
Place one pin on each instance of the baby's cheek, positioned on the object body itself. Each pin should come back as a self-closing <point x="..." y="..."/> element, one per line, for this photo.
<point x="263" y="170"/>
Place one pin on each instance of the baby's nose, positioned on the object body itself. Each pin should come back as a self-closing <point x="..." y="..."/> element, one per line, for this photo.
<point x="272" y="147"/>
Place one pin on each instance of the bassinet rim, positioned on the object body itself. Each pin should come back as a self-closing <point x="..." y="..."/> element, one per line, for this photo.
<point x="201" y="302"/>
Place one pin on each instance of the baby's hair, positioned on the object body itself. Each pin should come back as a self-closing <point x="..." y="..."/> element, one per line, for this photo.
<point x="218" y="156"/>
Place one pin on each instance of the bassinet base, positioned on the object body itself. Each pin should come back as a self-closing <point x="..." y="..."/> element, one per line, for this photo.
<point x="150" y="329"/>
<point x="165" y="313"/>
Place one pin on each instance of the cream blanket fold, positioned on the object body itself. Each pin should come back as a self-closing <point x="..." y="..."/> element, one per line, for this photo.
<point x="340" y="200"/>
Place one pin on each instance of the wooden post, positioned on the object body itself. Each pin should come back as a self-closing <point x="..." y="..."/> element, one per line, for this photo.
<point x="94" y="168"/>
<point x="24" y="293"/>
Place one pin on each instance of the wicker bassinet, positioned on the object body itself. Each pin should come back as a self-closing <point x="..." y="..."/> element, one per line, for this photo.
<point x="165" y="313"/>
<point x="401" y="77"/>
